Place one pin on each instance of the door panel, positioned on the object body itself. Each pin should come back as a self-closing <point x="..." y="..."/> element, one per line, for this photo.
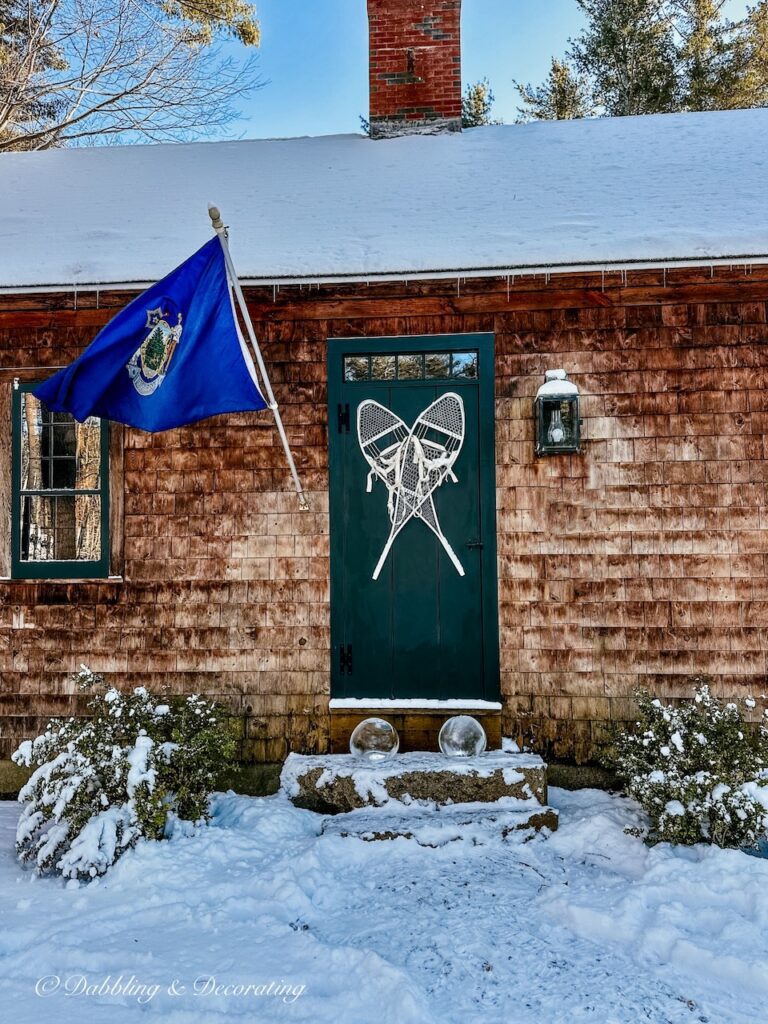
<point x="421" y="630"/>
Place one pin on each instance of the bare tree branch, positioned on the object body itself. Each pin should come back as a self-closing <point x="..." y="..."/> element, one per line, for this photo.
<point x="127" y="70"/>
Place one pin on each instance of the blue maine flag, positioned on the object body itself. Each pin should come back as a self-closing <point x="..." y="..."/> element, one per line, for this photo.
<point x="173" y="356"/>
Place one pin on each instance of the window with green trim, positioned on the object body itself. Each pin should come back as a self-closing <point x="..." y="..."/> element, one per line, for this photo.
<point x="60" y="492"/>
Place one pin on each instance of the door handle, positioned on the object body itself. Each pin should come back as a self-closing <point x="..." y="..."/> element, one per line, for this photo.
<point x="474" y="543"/>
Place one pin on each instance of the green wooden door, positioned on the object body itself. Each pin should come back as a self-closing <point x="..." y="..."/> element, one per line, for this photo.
<point x="421" y="629"/>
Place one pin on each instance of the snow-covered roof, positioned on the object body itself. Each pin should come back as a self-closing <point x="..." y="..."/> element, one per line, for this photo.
<point x="560" y="195"/>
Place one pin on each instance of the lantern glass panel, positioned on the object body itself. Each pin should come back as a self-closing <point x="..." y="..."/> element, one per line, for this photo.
<point x="558" y="425"/>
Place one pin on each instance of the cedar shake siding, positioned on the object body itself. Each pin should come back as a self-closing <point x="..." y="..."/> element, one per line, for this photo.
<point x="639" y="561"/>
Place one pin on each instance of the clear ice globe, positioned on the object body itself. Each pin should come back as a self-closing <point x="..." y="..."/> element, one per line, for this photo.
<point x="462" y="736"/>
<point x="374" y="739"/>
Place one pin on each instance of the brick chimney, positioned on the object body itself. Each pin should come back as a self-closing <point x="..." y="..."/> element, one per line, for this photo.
<point x="415" y="67"/>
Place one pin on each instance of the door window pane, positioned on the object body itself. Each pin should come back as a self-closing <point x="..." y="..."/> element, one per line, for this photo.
<point x="464" y="364"/>
<point x="437" y="364"/>
<point x="410" y="367"/>
<point x="356" y="368"/>
<point x="383" y="367"/>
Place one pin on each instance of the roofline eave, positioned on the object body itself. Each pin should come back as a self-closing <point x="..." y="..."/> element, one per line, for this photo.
<point x="360" y="277"/>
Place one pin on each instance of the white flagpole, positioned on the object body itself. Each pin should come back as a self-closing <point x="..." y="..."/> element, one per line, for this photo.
<point x="221" y="231"/>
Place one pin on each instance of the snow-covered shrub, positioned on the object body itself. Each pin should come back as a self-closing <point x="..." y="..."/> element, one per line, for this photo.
<point x="698" y="770"/>
<point x="134" y="769"/>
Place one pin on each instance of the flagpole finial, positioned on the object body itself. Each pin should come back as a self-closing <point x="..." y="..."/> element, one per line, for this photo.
<point x="215" y="214"/>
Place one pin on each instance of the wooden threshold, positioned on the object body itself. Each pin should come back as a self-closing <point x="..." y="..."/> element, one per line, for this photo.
<point x="417" y="727"/>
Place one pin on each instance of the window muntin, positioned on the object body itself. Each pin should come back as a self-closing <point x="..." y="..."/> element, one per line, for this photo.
<point x="60" y="497"/>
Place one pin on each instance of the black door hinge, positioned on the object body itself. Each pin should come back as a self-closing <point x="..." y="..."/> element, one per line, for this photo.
<point x="345" y="660"/>
<point x="343" y="417"/>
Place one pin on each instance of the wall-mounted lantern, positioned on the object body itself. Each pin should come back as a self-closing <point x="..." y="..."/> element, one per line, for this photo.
<point x="558" y="427"/>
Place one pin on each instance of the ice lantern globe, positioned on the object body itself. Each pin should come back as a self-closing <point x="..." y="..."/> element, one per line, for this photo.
<point x="462" y="736"/>
<point x="374" y="740"/>
<point x="558" y="427"/>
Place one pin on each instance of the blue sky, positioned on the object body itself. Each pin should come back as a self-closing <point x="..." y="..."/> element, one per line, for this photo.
<point x="314" y="54"/>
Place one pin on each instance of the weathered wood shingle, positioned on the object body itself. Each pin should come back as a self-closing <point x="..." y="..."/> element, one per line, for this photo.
<point x="640" y="561"/>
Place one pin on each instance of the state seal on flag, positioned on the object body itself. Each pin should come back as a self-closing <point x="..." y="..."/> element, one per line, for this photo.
<point x="149" y="364"/>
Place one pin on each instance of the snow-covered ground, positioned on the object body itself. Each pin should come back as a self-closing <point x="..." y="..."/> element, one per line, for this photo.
<point x="587" y="924"/>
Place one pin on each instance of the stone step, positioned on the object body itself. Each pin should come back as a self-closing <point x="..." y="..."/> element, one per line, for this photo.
<point x="437" y="826"/>
<point x="337" y="783"/>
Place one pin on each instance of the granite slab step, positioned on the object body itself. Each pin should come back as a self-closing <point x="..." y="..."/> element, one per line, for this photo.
<point x="476" y="823"/>
<point x="337" y="783"/>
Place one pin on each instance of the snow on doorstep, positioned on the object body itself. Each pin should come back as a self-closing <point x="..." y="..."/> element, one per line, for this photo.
<point x="418" y="704"/>
<point x="585" y="925"/>
<point x="603" y="191"/>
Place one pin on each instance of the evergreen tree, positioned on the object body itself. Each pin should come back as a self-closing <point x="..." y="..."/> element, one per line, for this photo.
<point x="565" y="94"/>
<point x="476" y="104"/>
<point x="702" y="55"/>
<point x="628" y="51"/>
<point x="236" y="18"/>
<point x="748" y="60"/>
<point x="652" y="56"/>
<point x="20" y="20"/>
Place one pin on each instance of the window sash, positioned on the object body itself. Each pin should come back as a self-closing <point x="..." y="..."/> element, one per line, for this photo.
<point x="55" y="568"/>
<point x="444" y="366"/>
